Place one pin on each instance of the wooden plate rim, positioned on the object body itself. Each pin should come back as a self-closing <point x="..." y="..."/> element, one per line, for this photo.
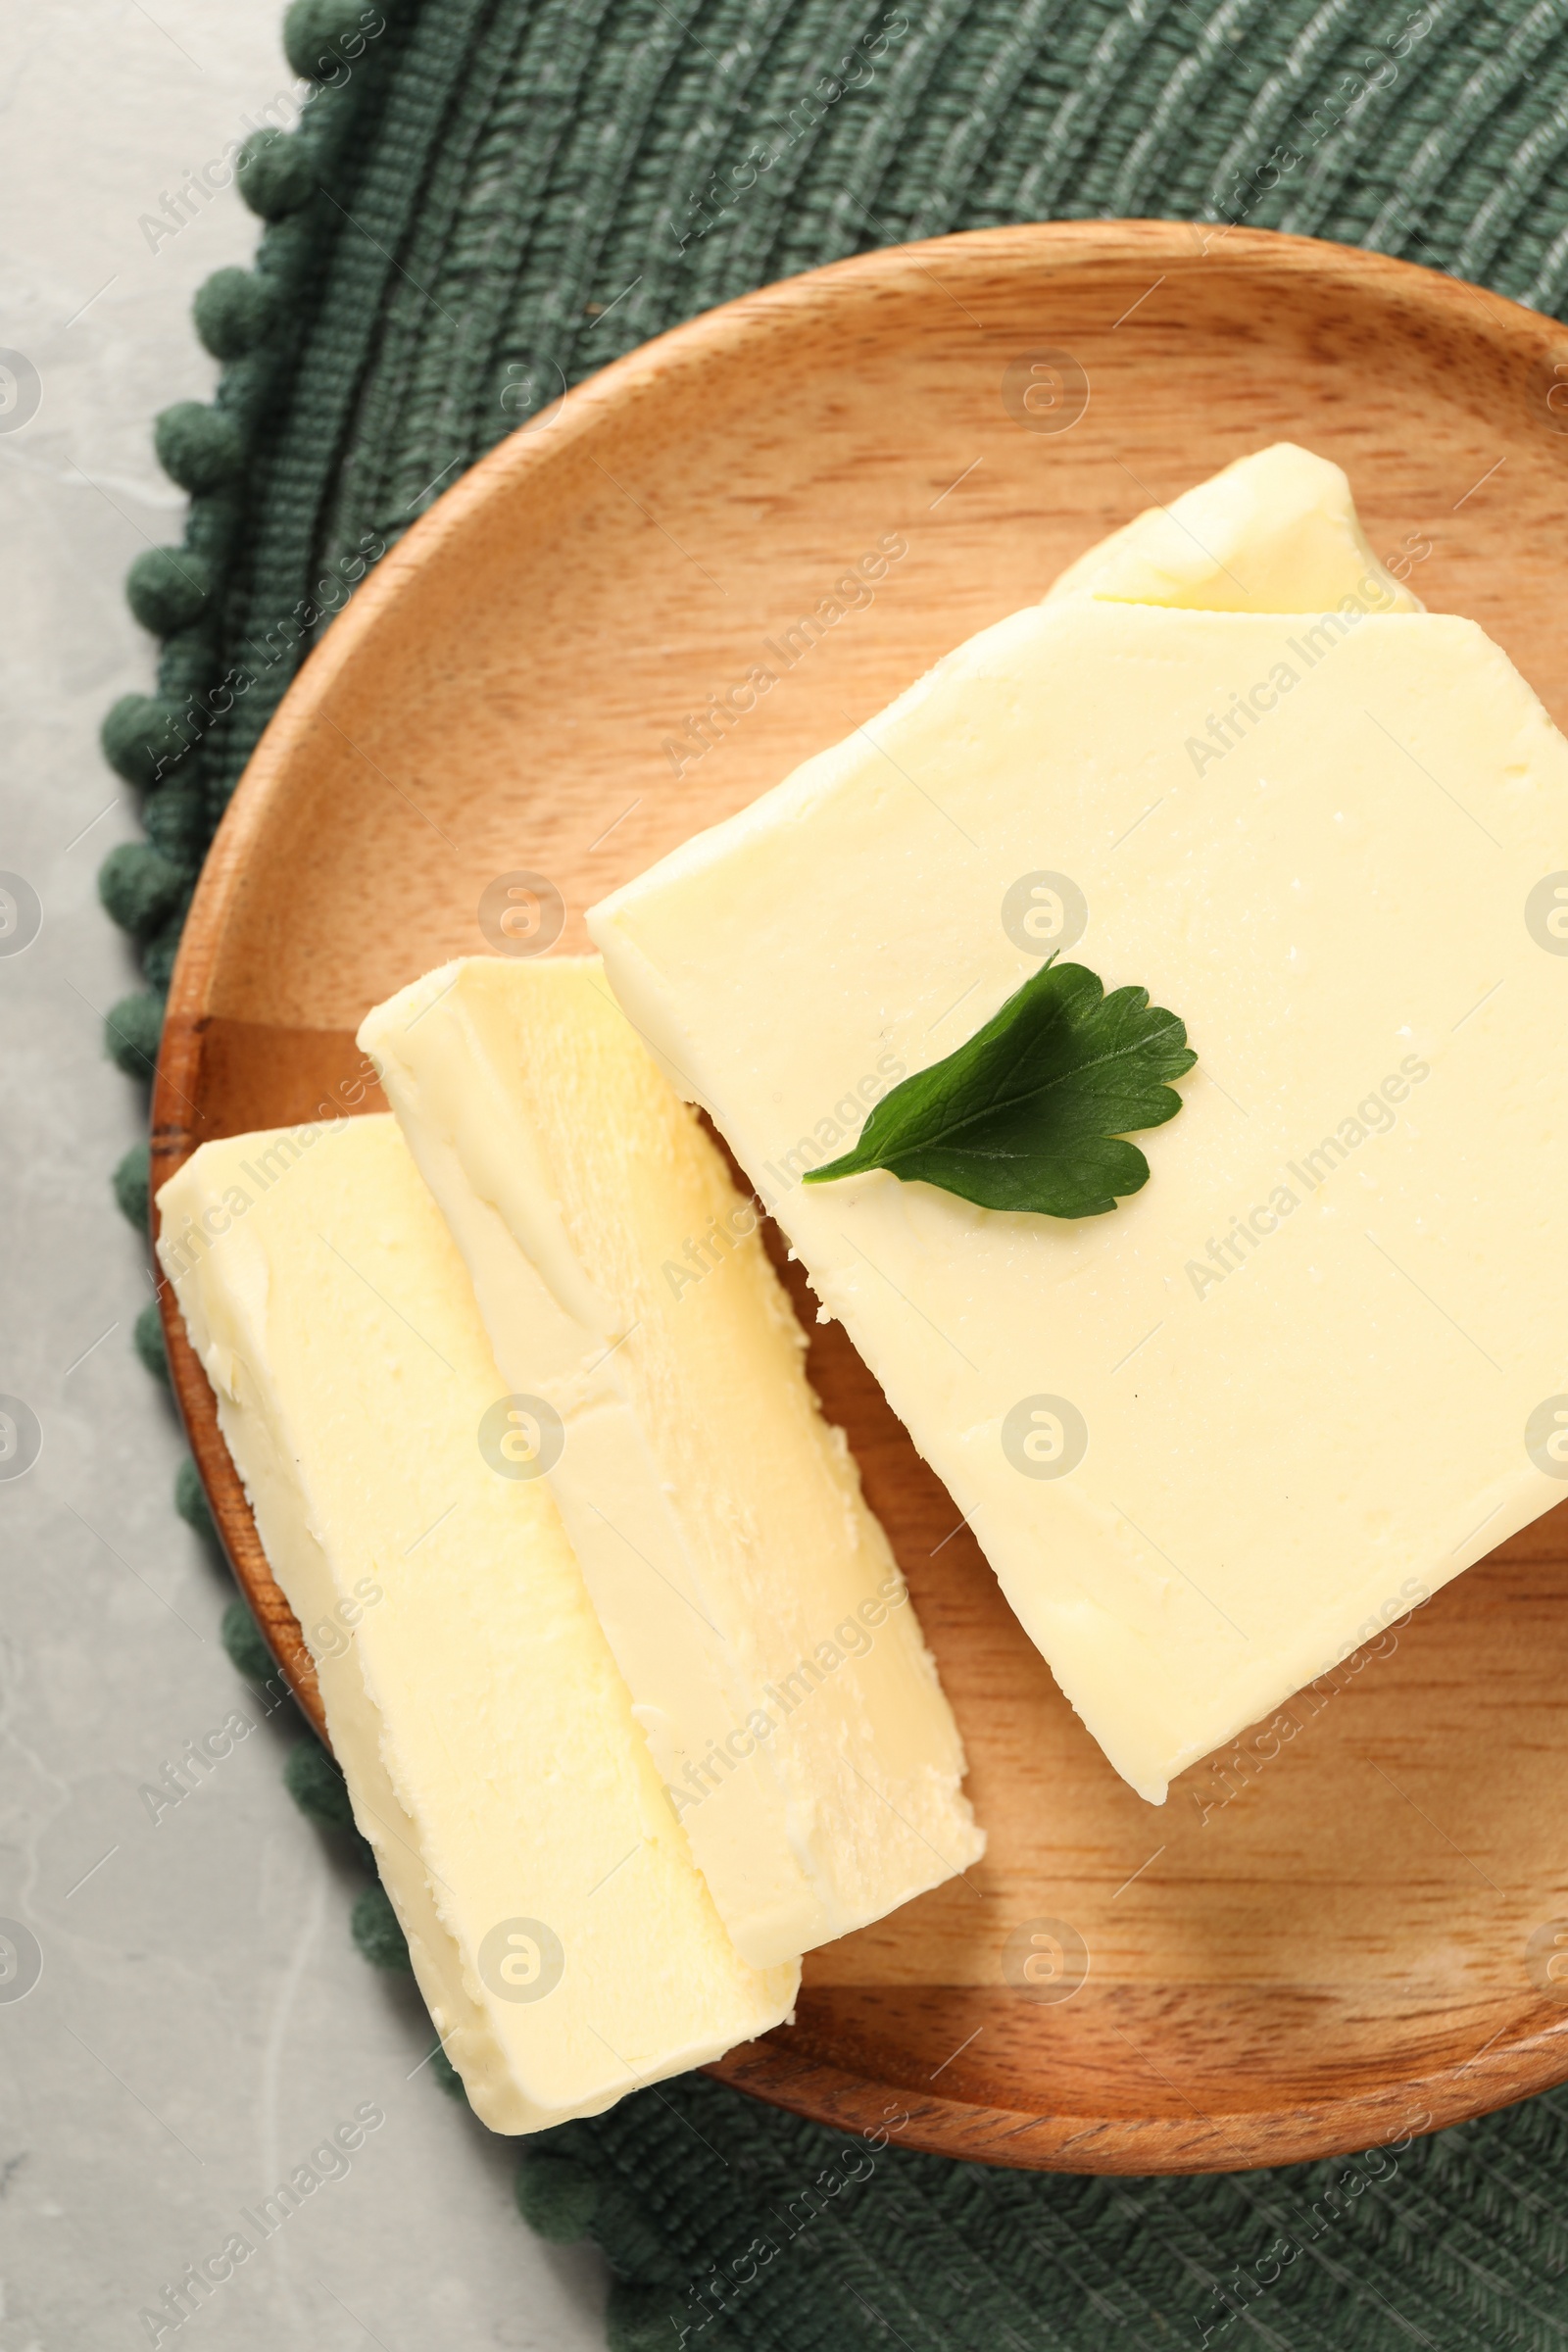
<point x="777" y="2070"/>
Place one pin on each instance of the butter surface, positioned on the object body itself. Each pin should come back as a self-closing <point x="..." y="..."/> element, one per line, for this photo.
<point x="484" y="1732"/>
<point x="1275" y="532"/>
<point x="1305" y="1356"/>
<point x="748" y="1595"/>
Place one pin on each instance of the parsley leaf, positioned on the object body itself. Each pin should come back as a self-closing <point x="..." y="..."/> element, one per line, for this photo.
<point x="1030" y="1113"/>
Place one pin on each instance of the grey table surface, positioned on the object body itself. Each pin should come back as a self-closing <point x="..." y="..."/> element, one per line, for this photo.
<point x="202" y="2020"/>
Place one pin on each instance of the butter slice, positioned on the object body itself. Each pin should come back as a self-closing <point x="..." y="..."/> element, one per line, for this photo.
<point x="1276" y="532"/>
<point x="484" y="1732"/>
<point x="748" y="1595"/>
<point x="1309" y="1355"/>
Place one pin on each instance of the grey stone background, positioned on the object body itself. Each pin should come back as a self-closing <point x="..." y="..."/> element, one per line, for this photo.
<point x="202" y="2021"/>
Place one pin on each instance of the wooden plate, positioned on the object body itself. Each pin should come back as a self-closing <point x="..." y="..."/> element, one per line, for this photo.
<point x="1346" y="1930"/>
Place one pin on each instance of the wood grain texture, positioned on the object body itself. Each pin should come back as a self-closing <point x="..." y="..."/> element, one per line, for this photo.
<point x="1341" y="1931"/>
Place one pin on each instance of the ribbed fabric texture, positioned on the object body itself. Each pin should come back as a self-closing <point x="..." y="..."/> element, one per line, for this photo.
<point x="487" y="200"/>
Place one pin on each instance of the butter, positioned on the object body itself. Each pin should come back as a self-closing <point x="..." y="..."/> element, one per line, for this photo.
<point x="750" y="1597"/>
<point x="1276" y="532"/>
<point x="565" y="1945"/>
<point x="1204" y="1440"/>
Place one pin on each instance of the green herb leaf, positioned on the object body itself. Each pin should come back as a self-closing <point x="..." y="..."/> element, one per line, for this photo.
<point x="1029" y="1114"/>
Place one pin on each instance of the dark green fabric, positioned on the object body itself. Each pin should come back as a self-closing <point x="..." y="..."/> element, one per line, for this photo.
<point x="492" y="197"/>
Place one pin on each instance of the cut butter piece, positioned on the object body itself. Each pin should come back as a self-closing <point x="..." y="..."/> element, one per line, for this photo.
<point x="1276" y="532"/>
<point x="750" y="1597"/>
<point x="1214" y="1440"/>
<point x="565" y="1945"/>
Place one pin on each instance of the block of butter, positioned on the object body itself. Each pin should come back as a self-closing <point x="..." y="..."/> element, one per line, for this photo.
<point x="656" y="1365"/>
<point x="1210" y="1440"/>
<point x="1275" y="532"/>
<point x="566" y="1946"/>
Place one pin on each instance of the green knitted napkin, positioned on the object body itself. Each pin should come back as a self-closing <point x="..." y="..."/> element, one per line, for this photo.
<point x="486" y="198"/>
